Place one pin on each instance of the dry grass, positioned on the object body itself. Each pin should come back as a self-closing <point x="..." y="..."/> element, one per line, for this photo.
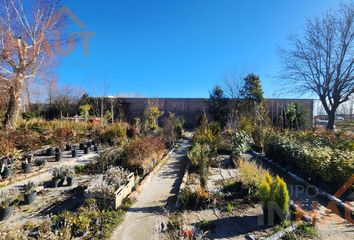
<point x="251" y="174"/>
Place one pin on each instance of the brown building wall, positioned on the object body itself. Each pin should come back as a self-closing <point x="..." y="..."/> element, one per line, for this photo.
<point x="190" y="108"/>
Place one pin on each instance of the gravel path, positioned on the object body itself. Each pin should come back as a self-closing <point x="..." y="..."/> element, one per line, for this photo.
<point x="148" y="213"/>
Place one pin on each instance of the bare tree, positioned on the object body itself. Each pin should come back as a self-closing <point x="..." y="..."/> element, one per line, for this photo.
<point x="321" y="61"/>
<point x="51" y="89"/>
<point x="233" y="84"/>
<point x="25" y="34"/>
<point x="99" y="89"/>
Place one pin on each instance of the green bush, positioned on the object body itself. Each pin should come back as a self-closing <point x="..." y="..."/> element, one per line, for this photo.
<point x="319" y="162"/>
<point x="274" y="191"/>
<point x="240" y="143"/>
<point x="199" y="156"/>
<point x="29" y="115"/>
<point x="183" y="197"/>
<point x="116" y="132"/>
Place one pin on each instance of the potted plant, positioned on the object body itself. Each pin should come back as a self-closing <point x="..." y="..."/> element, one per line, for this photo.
<point x="70" y="176"/>
<point x="74" y="152"/>
<point x="40" y="162"/>
<point x="29" y="193"/>
<point x="26" y="166"/>
<point x="5" y="166"/>
<point x="60" y="136"/>
<point x="95" y="148"/>
<point x="58" y="155"/>
<point x="86" y="150"/>
<point x="58" y="177"/>
<point x="6" y="171"/>
<point x="68" y="147"/>
<point x="50" y="151"/>
<point x="81" y="225"/>
<point x="8" y="201"/>
<point x="81" y="146"/>
<point x="275" y="200"/>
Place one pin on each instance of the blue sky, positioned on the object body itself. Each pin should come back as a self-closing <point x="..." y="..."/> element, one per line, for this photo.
<point x="182" y="48"/>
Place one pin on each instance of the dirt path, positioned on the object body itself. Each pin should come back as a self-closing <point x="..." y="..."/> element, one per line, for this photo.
<point x="329" y="225"/>
<point x="147" y="214"/>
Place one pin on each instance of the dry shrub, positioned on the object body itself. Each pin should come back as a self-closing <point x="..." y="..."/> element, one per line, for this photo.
<point x="198" y="198"/>
<point x="61" y="136"/>
<point x="25" y="140"/>
<point x="251" y="175"/>
<point x="47" y="129"/>
<point x="116" y="132"/>
<point x="143" y="153"/>
<point x="6" y="146"/>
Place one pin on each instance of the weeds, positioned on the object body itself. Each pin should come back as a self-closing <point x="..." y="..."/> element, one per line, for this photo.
<point x="230" y="207"/>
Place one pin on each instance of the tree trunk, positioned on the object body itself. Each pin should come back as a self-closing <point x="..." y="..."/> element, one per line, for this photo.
<point x="331" y="118"/>
<point x="13" y="105"/>
<point x="28" y="96"/>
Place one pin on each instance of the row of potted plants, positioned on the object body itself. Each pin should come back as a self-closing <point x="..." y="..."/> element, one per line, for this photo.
<point x="61" y="175"/>
<point x="9" y="199"/>
<point x="6" y="164"/>
<point x="85" y="147"/>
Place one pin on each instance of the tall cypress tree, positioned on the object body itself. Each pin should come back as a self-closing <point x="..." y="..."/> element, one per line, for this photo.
<point x="253" y="100"/>
<point x="218" y="107"/>
<point x="252" y="89"/>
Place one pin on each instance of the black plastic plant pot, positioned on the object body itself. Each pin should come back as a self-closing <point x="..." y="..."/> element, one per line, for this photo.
<point x="81" y="146"/>
<point x="95" y="148"/>
<point x="26" y="167"/>
<point x="74" y="153"/>
<point x="57" y="182"/>
<point x="29" y="198"/>
<point x="7" y="172"/>
<point x="40" y="162"/>
<point x="86" y="150"/>
<point x="70" y="181"/>
<point x="6" y="213"/>
<point x="68" y="147"/>
<point x="50" y="151"/>
<point x="58" y="156"/>
<point x="10" y="161"/>
<point x="88" y="144"/>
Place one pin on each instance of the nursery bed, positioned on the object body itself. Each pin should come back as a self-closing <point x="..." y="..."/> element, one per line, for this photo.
<point x="40" y="175"/>
<point x="330" y="225"/>
<point x="48" y="201"/>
